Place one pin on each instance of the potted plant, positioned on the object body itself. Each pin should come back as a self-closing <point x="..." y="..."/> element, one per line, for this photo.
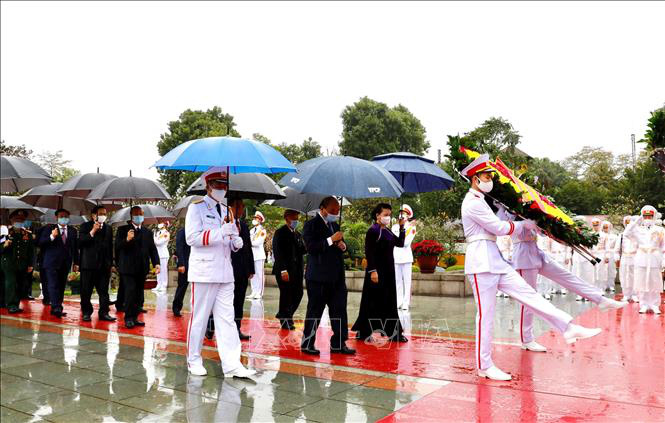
<point x="151" y="279"/>
<point x="427" y="254"/>
<point x="74" y="279"/>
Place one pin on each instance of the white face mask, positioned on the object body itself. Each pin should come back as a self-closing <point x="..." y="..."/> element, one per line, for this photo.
<point x="647" y="222"/>
<point x="101" y="219"/>
<point x="255" y="222"/>
<point x="485" y="186"/>
<point x="218" y="194"/>
<point x="385" y="220"/>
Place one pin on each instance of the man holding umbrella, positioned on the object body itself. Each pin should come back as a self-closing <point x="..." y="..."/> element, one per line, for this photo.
<point x="211" y="231"/>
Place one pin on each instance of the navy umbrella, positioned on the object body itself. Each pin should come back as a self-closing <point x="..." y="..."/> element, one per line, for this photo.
<point x="343" y="176"/>
<point x="415" y="173"/>
<point x="302" y="202"/>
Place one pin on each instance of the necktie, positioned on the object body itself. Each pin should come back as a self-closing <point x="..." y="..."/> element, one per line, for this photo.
<point x="64" y="235"/>
<point x="219" y="209"/>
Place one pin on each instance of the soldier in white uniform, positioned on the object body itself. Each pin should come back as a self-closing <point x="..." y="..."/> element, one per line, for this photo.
<point x="404" y="259"/>
<point x="624" y="251"/>
<point x="650" y="241"/>
<point x="609" y="259"/>
<point x="487" y="271"/>
<point x="583" y="268"/>
<point x="213" y="234"/>
<point x="598" y="250"/>
<point x="161" y="238"/>
<point x="561" y="254"/>
<point x="258" y="236"/>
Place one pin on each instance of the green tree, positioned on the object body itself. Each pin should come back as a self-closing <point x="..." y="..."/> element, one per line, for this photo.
<point x="15" y="150"/>
<point x="56" y="165"/>
<point x="593" y="164"/>
<point x="637" y="187"/>
<point x="371" y="128"/>
<point x="496" y="136"/>
<point x="191" y="125"/>
<point x="655" y="135"/>
<point x="546" y="175"/>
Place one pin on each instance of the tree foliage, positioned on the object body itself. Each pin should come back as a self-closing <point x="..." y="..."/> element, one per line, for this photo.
<point x="191" y="125"/>
<point x="15" y="150"/>
<point x="371" y="128"/>
<point x="56" y="165"/>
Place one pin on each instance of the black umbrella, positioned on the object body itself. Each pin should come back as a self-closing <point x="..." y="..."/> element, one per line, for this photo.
<point x="180" y="209"/>
<point x="127" y="189"/>
<point x="302" y="202"/>
<point x="249" y="186"/>
<point x="81" y="185"/>
<point x="47" y="196"/>
<point x="9" y="204"/>
<point x="18" y="174"/>
<point x="151" y="212"/>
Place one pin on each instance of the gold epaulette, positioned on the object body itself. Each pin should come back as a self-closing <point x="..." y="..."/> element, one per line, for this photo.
<point x="199" y="201"/>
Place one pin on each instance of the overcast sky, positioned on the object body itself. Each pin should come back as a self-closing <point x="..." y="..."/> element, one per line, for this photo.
<point x="100" y="81"/>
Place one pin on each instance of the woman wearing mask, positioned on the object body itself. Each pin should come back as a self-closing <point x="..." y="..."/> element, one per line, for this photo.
<point x="378" y="305"/>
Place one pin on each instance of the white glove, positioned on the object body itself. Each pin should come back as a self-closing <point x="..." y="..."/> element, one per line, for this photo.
<point x="230" y="229"/>
<point x="530" y="224"/>
<point x="237" y="243"/>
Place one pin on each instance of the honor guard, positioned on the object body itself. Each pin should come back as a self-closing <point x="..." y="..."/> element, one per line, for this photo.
<point x="17" y="250"/>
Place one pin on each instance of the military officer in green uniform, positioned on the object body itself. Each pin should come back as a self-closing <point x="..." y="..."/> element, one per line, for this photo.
<point x="17" y="250"/>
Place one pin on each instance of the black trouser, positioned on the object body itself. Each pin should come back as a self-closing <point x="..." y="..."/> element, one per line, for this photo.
<point x="43" y="280"/>
<point x="120" y="297"/>
<point x="134" y="284"/>
<point x="319" y="295"/>
<point x="99" y="280"/>
<point x="57" y="279"/>
<point x="239" y="292"/>
<point x="12" y="281"/>
<point x="290" y="295"/>
<point x="180" y="292"/>
<point x="25" y="286"/>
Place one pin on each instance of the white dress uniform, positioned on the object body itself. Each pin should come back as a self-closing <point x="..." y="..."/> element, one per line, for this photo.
<point x="600" y="270"/>
<point x="403" y="257"/>
<point x="487" y="271"/>
<point x="161" y="238"/>
<point x="562" y="255"/>
<point x="624" y="251"/>
<point x="258" y="236"/>
<point x="505" y="244"/>
<point x="650" y="241"/>
<point x="610" y="242"/>
<point x="211" y="276"/>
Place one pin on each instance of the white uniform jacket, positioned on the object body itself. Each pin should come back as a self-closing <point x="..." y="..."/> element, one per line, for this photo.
<point x="212" y="241"/>
<point x="258" y="236"/>
<point x="625" y="249"/>
<point x="161" y="239"/>
<point x="650" y="244"/>
<point x="481" y="227"/>
<point x="404" y="254"/>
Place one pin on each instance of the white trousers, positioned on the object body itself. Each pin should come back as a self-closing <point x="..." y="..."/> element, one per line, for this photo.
<point x="627" y="277"/>
<point x="259" y="278"/>
<point x="163" y="275"/>
<point x="403" y="283"/>
<point x="648" y="285"/>
<point x="218" y="298"/>
<point x="611" y="274"/>
<point x="601" y="270"/>
<point x="485" y="286"/>
<point x="556" y="273"/>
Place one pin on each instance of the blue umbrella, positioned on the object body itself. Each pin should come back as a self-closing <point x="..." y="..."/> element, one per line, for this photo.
<point x="343" y="176"/>
<point x="238" y="154"/>
<point x="414" y="173"/>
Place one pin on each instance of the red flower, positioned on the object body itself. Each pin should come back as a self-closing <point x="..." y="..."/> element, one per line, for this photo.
<point x="427" y="247"/>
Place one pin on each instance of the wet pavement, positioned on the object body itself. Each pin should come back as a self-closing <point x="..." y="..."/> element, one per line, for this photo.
<point x="77" y="371"/>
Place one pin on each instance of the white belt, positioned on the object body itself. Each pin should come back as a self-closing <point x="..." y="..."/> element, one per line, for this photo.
<point x="481" y="237"/>
<point x="524" y="240"/>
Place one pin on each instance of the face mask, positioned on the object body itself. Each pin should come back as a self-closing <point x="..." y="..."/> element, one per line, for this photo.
<point x="218" y="194"/>
<point x="255" y="222"/>
<point x="101" y="219"/>
<point x="385" y="220"/>
<point x="137" y="220"/>
<point x="647" y="222"/>
<point x="293" y="224"/>
<point x="330" y="218"/>
<point x="62" y="221"/>
<point x="27" y="223"/>
<point x="485" y="186"/>
<point x="18" y="225"/>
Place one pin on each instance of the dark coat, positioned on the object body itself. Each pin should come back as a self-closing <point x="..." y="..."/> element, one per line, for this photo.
<point x="96" y="252"/>
<point x="243" y="259"/>
<point x="182" y="249"/>
<point x="57" y="254"/>
<point x="325" y="262"/>
<point x="134" y="257"/>
<point x="378" y="304"/>
<point x="288" y="249"/>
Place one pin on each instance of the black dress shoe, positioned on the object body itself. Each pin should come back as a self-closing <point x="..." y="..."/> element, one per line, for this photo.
<point x="46" y="302"/>
<point x="210" y="334"/>
<point x="139" y="323"/>
<point x="284" y="325"/>
<point x="310" y="351"/>
<point x="107" y="317"/>
<point x="343" y="350"/>
<point x="292" y="325"/>
<point x="129" y="324"/>
<point x="243" y="337"/>
<point x="177" y="313"/>
<point x="143" y="310"/>
<point x="58" y="313"/>
<point x="86" y="318"/>
<point x="15" y="310"/>
<point x="112" y="302"/>
<point x="399" y="338"/>
<point x="30" y="298"/>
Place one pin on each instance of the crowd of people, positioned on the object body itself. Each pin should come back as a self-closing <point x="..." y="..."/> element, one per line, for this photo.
<point x="221" y="257"/>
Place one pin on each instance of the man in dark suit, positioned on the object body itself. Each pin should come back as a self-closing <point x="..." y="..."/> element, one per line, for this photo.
<point x="324" y="278"/>
<point x="288" y="249"/>
<point x="43" y="280"/>
<point x="60" y="248"/>
<point x="134" y="250"/>
<point x="243" y="265"/>
<point x="182" y="250"/>
<point x="96" y="246"/>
